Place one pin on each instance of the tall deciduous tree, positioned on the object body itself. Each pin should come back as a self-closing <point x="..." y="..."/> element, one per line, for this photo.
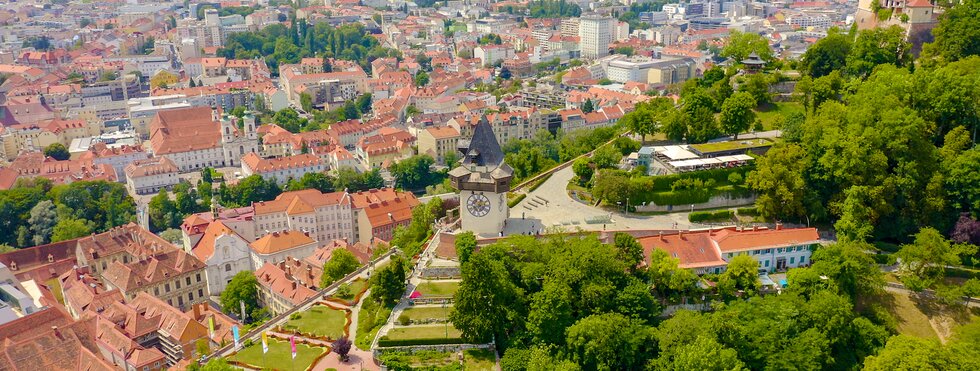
<point x="43" y="219"/>
<point x="957" y="35"/>
<point x="879" y="46"/>
<point x="465" y="246"/>
<point x="57" y="151"/>
<point x="924" y="261"/>
<point x="827" y="54"/>
<point x="609" y="341"/>
<point x="741" y="44"/>
<point x="341" y="263"/>
<point x="388" y="283"/>
<point x="243" y="288"/>
<point x="737" y="114"/>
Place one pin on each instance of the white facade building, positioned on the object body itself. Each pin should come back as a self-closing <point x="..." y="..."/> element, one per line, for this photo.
<point x="596" y="33"/>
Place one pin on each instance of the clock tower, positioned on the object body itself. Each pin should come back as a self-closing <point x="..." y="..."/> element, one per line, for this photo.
<point x="483" y="180"/>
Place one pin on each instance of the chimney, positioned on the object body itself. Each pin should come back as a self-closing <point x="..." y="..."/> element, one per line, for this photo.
<point x="57" y="333"/>
<point x="197" y="311"/>
<point x="661" y="235"/>
<point x="755" y="228"/>
<point x="779" y="226"/>
<point x="307" y="233"/>
<point x="294" y="284"/>
<point x="680" y="234"/>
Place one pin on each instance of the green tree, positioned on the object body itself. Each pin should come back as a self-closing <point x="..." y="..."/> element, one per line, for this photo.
<point x="173" y="235"/>
<point x="306" y="102"/>
<point x="629" y="250"/>
<point x="904" y="352"/>
<point x="608" y="342"/>
<point x="737" y="114"/>
<point x="588" y="107"/>
<point x="956" y="36"/>
<point x="779" y="179"/>
<point x="486" y="302"/>
<point x="551" y="313"/>
<point x="963" y="181"/>
<point x="162" y="212"/>
<point x="827" y="54"/>
<point x="924" y="261"/>
<point x="647" y="117"/>
<point x="667" y="278"/>
<point x="583" y="169"/>
<point x="421" y="79"/>
<point x="414" y="172"/>
<point x="68" y="228"/>
<point x="849" y="267"/>
<point x="878" y="46"/>
<point x="243" y="288"/>
<point x="388" y="283"/>
<point x="43" y="219"/>
<point x="741" y="44"/>
<point x="704" y="353"/>
<point x="742" y="273"/>
<point x="757" y="85"/>
<point x="465" y="246"/>
<point x="342" y="262"/>
<point x="57" y="151"/>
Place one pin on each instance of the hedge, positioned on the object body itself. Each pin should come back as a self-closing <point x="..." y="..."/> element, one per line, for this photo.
<point x="702" y="216"/>
<point x="539" y="183"/>
<point x="687" y="196"/>
<point x="662" y="183"/>
<point x="748" y="211"/>
<point x="384" y="341"/>
<point x="516" y="200"/>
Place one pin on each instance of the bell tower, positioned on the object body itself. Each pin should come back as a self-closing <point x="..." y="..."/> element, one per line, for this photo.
<point x="483" y="180"/>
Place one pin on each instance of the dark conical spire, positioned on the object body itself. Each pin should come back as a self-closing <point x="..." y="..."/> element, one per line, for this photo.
<point x="483" y="149"/>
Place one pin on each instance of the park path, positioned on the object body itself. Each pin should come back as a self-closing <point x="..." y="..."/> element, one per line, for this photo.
<point x="359" y="359"/>
<point x="550" y="206"/>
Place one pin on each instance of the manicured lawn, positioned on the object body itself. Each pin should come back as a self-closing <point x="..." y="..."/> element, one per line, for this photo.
<point x="437" y="288"/>
<point x="420" y="359"/>
<point x="320" y="321"/>
<point x="770" y="113"/>
<point x="731" y="145"/>
<point x="355" y="288"/>
<point x="423" y="313"/>
<point x="478" y="360"/>
<point x="424" y="332"/>
<point x="279" y="356"/>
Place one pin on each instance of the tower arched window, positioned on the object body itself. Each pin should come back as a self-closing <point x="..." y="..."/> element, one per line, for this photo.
<point x="227" y="130"/>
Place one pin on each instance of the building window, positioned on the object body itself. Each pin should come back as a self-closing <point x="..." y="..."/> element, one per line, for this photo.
<point x="200" y="293"/>
<point x="166" y="287"/>
<point x="792" y="260"/>
<point x="190" y="296"/>
<point x="177" y="285"/>
<point x="180" y="301"/>
<point x="802" y="259"/>
<point x="198" y="277"/>
<point x="227" y="267"/>
<point x="188" y="280"/>
<point x="156" y="291"/>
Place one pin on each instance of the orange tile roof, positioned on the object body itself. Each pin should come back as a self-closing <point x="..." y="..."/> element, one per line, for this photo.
<point x="261" y="165"/>
<point x="281" y="241"/>
<point x="204" y="248"/>
<point x="729" y="240"/>
<point x="275" y="279"/>
<point x="298" y="202"/>
<point x="183" y="130"/>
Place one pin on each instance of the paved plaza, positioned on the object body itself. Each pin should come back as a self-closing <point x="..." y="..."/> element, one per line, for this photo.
<point x="550" y="206"/>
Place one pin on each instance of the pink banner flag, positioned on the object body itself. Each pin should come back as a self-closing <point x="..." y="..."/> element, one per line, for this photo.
<point x="292" y="344"/>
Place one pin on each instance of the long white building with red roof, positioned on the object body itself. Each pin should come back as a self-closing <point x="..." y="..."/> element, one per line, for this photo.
<point x="198" y="137"/>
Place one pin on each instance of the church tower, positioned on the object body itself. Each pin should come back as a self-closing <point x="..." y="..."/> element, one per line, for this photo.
<point x="483" y="180"/>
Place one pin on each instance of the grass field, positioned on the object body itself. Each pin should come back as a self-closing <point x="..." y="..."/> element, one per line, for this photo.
<point x="424" y="332"/>
<point x="769" y="114"/>
<point x="355" y="287"/>
<point x="423" y="313"/>
<point x="279" y="356"/>
<point x="478" y="360"/>
<point x="924" y="318"/>
<point x="320" y="321"/>
<point x="437" y="288"/>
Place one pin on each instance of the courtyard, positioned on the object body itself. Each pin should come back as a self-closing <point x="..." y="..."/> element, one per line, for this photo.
<point x="549" y="206"/>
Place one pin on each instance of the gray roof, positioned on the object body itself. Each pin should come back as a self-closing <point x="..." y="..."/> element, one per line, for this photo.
<point x="483" y="149"/>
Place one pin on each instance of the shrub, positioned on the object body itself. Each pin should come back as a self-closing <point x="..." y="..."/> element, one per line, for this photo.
<point x="344" y="292"/>
<point x="404" y="320"/>
<point x="748" y="211"/>
<point x="735" y="178"/>
<point x="704" y="216"/>
<point x="384" y="341"/>
<point x="295" y="316"/>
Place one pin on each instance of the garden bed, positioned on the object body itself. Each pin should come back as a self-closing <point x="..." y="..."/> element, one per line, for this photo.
<point x="321" y="322"/>
<point x="421" y="335"/>
<point x="479" y="360"/>
<point x="279" y="356"/>
<point x="437" y="288"/>
<point x="420" y="314"/>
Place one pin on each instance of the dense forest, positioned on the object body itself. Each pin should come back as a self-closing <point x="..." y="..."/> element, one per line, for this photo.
<point x="36" y="212"/>
<point x="571" y="303"/>
<point x="280" y="44"/>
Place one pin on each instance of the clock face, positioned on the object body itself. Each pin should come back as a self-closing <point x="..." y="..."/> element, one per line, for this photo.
<point x="478" y="205"/>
